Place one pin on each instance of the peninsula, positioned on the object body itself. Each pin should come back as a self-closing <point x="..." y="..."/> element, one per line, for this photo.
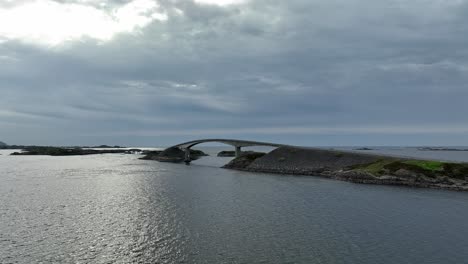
<point x="357" y="167"/>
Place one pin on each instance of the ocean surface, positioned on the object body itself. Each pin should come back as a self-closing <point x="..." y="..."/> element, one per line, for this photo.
<point x="118" y="209"/>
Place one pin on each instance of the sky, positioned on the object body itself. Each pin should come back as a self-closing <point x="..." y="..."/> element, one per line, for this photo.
<point x="302" y="72"/>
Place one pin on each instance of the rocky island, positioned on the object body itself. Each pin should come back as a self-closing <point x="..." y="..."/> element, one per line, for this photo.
<point x="356" y="167"/>
<point x="174" y="155"/>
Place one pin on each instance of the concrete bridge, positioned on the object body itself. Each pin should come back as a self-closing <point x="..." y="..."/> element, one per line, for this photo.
<point x="237" y="144"/>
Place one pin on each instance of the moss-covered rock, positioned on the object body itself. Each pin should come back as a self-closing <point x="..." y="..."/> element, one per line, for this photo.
<point x="413" y="168"/>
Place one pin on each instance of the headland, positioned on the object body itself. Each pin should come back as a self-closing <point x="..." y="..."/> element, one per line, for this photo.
<point x="357" y="167"/>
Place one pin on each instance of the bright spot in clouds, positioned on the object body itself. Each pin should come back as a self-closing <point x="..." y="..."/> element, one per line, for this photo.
<point x="51" y="23"/>
<point x="220" y="2"/>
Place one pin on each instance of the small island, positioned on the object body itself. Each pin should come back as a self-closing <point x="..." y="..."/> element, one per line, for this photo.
<point x="174" y="155"/>
<point x="357" y="167"/>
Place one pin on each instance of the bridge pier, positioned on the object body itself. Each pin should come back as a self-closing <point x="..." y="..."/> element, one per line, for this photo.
<point x="187" y="159"/>
<point x="238" y="151"/>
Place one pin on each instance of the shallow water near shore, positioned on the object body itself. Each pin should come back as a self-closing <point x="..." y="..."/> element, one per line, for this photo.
<point x="117" y="209"/>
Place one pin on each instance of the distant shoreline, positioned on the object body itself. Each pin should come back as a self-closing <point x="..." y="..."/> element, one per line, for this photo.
<point x="350" y="166"/>
<point x="71" y="151"/>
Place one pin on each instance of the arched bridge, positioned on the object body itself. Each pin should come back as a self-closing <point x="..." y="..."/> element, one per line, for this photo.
<point x="238" y="144"/>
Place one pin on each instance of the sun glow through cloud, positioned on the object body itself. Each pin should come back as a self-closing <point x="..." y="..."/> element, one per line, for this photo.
<point x="220" y="2"/>
<point x="51" y="23"/>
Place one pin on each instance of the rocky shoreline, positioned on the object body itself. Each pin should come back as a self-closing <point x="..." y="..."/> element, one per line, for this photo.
<point x="70" y="151"/>
<point x="353" y="167"/>
<point x="357" y="168"/>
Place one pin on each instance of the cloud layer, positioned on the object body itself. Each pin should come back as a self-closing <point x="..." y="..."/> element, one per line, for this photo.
<point x="312" y="72"/>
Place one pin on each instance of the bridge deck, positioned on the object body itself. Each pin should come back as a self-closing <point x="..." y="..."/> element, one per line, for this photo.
<point x="232" y="142"/>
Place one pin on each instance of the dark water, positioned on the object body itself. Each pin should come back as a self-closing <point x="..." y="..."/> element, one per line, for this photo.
<point x="118" y="209"/>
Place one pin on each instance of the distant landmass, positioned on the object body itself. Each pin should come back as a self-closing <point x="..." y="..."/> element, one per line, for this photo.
<point x="2" y="144"/>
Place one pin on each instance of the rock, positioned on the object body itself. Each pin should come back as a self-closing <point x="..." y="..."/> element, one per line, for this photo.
<point x="150" y="155"/>
<point x="445" y="180"/>
<point x="405" y="173"/>
<point x="354" y="176"/>
<point x="197" y="153"/>
<point x="309" y="159"/>
<point x="174" y="155"/>
<point x="244" y="160"/>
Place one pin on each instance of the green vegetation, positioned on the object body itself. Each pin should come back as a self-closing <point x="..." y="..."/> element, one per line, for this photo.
<point x="431" y="169"/>
<point x="427" y="165"/>
<point x="375" y="168"/>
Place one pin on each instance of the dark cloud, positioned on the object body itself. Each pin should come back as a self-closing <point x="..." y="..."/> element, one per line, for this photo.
<point x="313" y="72"/>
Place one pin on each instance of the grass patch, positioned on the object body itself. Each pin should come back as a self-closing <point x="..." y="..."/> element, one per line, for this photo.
<point x="374" y="168"/>
<point x="427" y="165"/>
<point x="428" y="168"/>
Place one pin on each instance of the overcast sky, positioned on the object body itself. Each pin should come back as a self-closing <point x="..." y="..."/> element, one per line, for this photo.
<point x="307" y="72"/>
